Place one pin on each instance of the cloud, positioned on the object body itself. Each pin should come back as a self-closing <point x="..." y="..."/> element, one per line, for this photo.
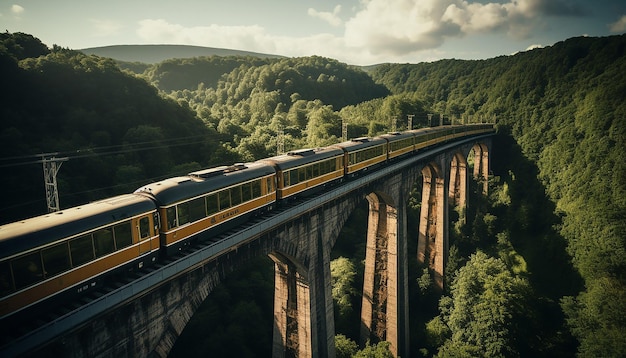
<point x="106" y="27"/>
<point x="619" y="26"/>
<point x="251" y="38"/>
<point x="17" y="10"/>
<point x="552" y="7"/>
<point x="533" y="46"/>
<point x="330" y="17"/>
<point x="406" y="30"/>
<point x="401" y="27"/>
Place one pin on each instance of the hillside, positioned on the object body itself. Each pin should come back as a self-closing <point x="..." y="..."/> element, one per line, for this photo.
<point x="565" y="106"/>
<point x="157" y="53"/>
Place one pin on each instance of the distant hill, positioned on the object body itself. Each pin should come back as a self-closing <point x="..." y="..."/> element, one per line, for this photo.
<point x="156" y="53"/>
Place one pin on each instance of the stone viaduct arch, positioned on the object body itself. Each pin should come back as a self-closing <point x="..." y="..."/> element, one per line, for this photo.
<point x="300" y="249"/>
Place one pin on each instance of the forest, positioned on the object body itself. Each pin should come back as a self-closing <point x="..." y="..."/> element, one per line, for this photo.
<point x="536" y="268"/>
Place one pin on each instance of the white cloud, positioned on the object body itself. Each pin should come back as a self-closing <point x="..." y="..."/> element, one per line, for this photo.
<point x="250" y="38"/>
<point x="407" y="26"/>
<point x="533" y="46"/>
<point x="330" y="17"/>
<point x="16" y="9"/>
<point x="106" y="27"/>
<point x="405" y="30"/>
<point x="619" y="26"/>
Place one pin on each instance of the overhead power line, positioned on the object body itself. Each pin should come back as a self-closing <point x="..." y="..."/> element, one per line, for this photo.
<point x="97" y="151"/>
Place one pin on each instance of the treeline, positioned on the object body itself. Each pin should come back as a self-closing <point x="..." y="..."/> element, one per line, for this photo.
<point x="566" y="107"/>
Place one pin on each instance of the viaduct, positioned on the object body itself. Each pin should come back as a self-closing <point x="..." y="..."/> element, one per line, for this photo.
<point x="144" y="317"/>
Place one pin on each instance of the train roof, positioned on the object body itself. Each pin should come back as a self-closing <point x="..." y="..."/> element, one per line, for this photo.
<point x="392" y="137"/>
<point x="360" y="143"/>
<point x="34" y="232"/>
<point x="301" y="157"/>
<point x="173" y="190"/>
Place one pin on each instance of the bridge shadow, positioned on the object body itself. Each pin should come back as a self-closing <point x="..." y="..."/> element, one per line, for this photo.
<point x="532" y="223"/>
<point x="351" y="244"/>
<point x="236" y="319"/>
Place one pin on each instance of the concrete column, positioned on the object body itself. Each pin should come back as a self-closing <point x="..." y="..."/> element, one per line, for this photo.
<point x="393" y="277"/>
<point x="292" y="313"/>
<point x="432" y="236"/>
<point x="423" y="237"/>
<point x="281" y="297"/>
<point x="367" y="312"/>
<point x="481" y="165"/>
<point x="379" y="312"/>
<point x="438" y="254"/>
<point x="303" y="312"/>
<point x="458" y="181"/>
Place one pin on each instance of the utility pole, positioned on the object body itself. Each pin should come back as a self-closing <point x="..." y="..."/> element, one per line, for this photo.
<point x="344" y="130"/>
<point x="409" y="125"/>
<point x="51" y="166"/>
<point x="440" y="119"/>
<point x="394" y="123"/>
<point x="430" y="119"/>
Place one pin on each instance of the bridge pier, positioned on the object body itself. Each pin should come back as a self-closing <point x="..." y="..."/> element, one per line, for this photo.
<point x="481" y="165"/>
<point x="432" y="244"/>
<point x="385" y="301"/>
<point x="292" y="312"/>
<point x="458" y="184"/>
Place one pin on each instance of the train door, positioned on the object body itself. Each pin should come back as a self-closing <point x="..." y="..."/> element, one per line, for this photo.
<point x="145" y="232"/>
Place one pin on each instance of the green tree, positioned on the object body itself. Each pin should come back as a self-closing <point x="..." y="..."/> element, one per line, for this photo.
<point x="342" y="273"/>
<point x="488" y="302"/>
<point x="345" y="347"/>
<point x="380" y="350"/>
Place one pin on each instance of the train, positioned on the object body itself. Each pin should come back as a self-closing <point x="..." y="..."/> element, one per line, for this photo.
<point x="64" y="254"/>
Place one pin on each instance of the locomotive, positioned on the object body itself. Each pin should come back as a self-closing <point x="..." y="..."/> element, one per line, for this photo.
<point x="68" y="253"/>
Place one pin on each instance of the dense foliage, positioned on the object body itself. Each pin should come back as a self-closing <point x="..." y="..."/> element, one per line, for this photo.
<point x="566" y="107"/>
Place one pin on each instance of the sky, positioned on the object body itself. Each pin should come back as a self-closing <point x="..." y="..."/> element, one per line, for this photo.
<point x="357" y="32"/>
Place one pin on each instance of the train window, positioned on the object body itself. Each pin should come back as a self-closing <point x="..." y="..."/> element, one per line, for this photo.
<point x="270" y="185"/>
<point x="324" y="167"/>
<point x="256" y="188"/>
<point x="286" y="179"/>
<point x="56" y="259"/>
<point x="123" y="235"/>
<point x="197" y="209"/>
<point x="81" y="250"/>
<point x="6" y="284"/>
<point x="103" y="242"/>
<point x="301" y="174"/>
<point x="293" y="177"/>
<point x="332" y="165"/>
<point x="144" y="229"/>
<point x="235" y="195"/>
<point x="27" y="270"/>
<point x="316" y="170"/>
<point x="224" y="199"/>
<point x="309" y="172"/>
<point x="183" y="213"/>
<point x="211" y="204"/>
<point x="246" y="192"/>
<point x="171" y="217"/>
